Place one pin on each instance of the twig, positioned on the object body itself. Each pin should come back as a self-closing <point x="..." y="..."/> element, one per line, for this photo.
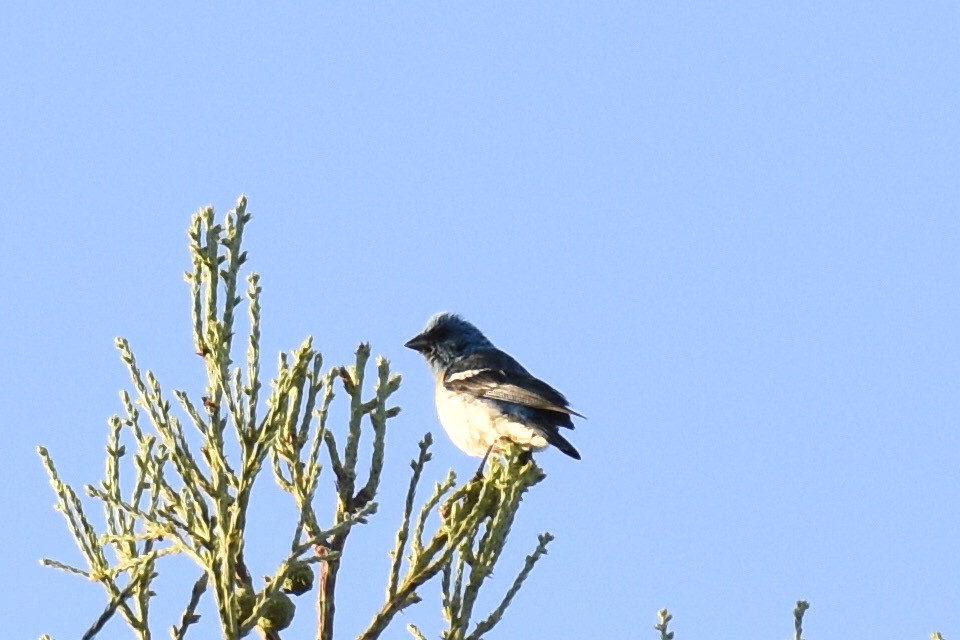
<point x="189" y="614"/>
<point x="802" y="606"/>
<point x="110" y="609"/>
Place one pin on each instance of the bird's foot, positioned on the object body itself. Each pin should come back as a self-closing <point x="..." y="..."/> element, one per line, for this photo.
<point x="478" y="476"/>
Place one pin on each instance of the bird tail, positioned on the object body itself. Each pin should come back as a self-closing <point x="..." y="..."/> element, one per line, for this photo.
<point x="557" y="440"/>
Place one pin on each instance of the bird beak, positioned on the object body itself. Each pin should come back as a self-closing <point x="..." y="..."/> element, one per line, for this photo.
<point x="417" y="343"/>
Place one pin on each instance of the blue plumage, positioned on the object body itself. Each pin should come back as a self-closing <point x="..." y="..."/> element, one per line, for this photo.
<point x="484" y="396"/>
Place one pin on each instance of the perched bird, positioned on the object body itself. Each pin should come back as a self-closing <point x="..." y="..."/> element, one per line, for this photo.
<point x="484" y="397"/>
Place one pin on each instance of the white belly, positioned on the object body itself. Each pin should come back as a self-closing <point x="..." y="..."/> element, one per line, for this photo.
<point x="475" y="426"/>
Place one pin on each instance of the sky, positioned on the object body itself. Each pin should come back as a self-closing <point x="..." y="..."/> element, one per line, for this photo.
<point x="728" y="233"/>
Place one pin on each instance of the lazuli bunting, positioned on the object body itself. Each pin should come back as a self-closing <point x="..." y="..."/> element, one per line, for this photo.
<point x="484" y="397"/>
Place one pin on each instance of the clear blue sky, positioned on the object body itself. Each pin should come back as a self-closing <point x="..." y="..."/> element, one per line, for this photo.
<point x="729" y="235"/>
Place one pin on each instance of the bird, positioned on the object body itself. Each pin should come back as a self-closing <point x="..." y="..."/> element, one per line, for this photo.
<point x="485" y="398"/>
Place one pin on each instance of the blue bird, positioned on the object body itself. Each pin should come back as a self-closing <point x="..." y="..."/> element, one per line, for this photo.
<point x="484" y="397"/>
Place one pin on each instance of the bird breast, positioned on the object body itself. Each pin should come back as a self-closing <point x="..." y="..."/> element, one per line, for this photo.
<point x="476" y="424"/>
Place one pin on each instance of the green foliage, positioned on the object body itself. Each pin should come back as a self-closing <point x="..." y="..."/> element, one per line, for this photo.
<point x="802" y="606"/>
<point x="665" y="617"/>
<point x="661" y="626"/>
<point x="189" y="493"/>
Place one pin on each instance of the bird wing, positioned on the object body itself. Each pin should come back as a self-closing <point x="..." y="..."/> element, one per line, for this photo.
<point x="496" y="375"/>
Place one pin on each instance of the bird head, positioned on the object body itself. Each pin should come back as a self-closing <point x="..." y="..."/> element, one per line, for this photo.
<point x="447" y="337"/>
